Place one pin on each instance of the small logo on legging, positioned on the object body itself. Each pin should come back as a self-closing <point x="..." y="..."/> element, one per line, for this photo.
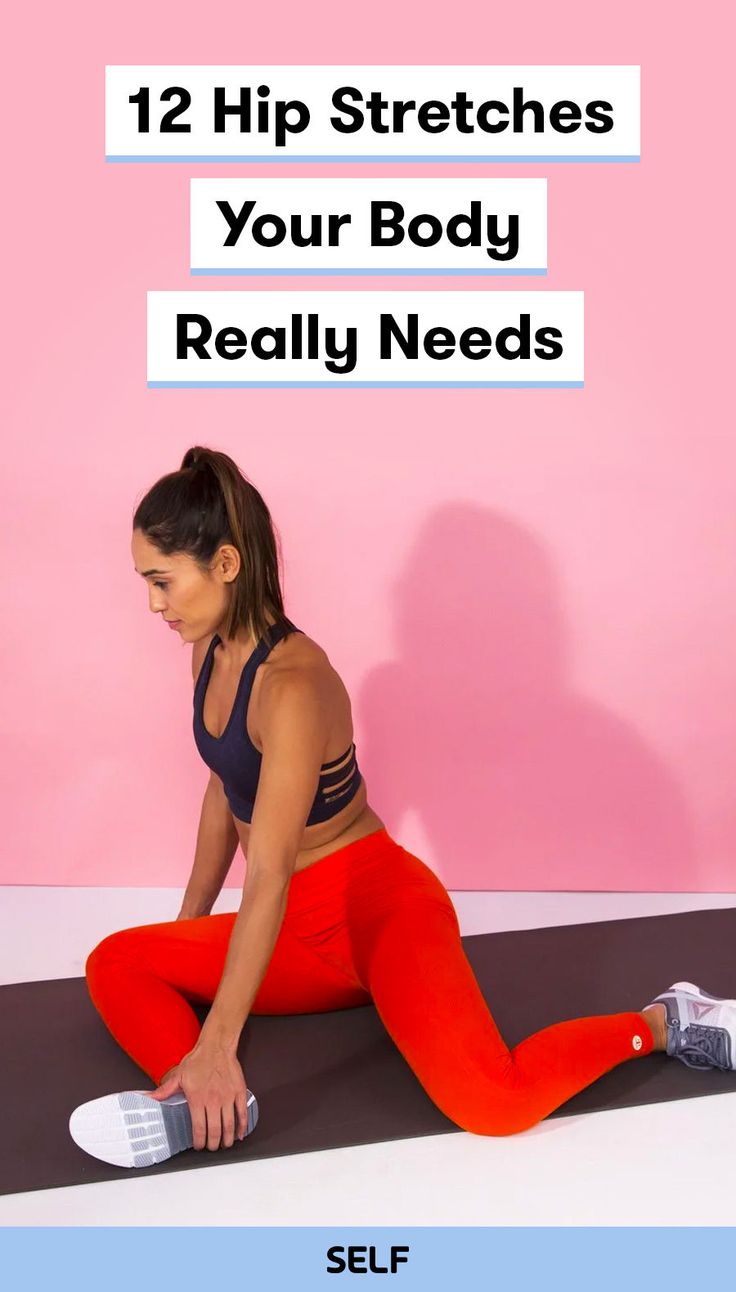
<point x="637" y="1042"/>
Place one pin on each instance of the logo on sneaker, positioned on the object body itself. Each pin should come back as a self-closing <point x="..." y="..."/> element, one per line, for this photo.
<point x="698" y="1008"/>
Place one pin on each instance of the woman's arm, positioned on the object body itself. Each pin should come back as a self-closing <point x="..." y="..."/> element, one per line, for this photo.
<point x="217" y="841"/>
<point x="293" y="730"/>
<point x="252" y="941"/>
<point x="217" y="837"/>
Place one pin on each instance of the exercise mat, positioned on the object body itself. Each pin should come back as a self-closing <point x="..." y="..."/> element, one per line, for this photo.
<point x="336" y="1079"/>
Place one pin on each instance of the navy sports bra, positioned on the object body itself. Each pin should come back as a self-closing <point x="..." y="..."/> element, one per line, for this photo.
<point x="234" y="757"/>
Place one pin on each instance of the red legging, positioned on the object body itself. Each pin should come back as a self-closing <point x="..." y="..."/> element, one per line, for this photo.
<point x="368" y="923"/>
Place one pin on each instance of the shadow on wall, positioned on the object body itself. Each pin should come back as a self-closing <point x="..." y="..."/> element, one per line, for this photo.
<point x="519" y="782"/>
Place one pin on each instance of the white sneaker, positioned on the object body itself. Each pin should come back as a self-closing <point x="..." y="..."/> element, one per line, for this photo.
<point x="701" y="1029"/>
<point x="132" y="1129"/>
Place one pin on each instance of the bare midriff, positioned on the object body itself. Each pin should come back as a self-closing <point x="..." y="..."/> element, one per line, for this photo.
<point x="325" y="837"/>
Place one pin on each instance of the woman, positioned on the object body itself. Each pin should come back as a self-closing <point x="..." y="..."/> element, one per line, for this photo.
<point x="335" y="913"/>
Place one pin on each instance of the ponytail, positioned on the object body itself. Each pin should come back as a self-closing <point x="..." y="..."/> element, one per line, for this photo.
<point x="204" y="504"/>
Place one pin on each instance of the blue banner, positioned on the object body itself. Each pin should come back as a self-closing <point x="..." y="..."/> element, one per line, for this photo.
<point x="129" y="1259"/>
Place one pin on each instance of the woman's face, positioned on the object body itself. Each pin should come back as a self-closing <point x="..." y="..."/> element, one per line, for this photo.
<point x="195" y="604"/>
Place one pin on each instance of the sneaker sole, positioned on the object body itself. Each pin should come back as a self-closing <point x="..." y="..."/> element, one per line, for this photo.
<point x="132" y="1129"/>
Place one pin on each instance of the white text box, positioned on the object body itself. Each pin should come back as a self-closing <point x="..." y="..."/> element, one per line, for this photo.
<point x="365" y="338"/>
<point x="384" y="225"/>
<point x="185" y="113"/>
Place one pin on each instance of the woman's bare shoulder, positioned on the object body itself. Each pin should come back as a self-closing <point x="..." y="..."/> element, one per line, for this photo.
<point x="302" y="654"/>
<point x="297" y="655"/>
<point x="301" y="651"/>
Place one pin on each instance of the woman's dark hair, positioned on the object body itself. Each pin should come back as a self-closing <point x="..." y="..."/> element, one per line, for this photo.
<point x="207" y="502"/>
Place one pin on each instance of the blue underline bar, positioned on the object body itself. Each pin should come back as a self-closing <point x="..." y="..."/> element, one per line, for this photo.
<point x="379" y="157"/>
<point x="351" y="273"/>
<point x="413" y="385"/>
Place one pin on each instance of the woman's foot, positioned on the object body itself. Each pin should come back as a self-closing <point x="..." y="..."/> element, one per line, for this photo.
<point x="656" y="1017"/>
<point x="132" y="1129"/>
<point x="700" y="1029"/>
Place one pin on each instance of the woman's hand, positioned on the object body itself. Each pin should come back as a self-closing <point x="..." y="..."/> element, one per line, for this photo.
<point x="214" y="1084"/>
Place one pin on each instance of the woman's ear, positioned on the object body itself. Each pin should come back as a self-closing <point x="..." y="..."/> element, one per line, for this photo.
<point x="228" y="562"/>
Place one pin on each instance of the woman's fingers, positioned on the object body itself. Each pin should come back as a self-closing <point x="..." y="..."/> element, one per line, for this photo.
<point x="217" y="1126"/>
<point x="199" y="1123"/>
<point x="214" y="1126"/>
<point x="228" y="1126"/>
<point x="241" y="1110"/>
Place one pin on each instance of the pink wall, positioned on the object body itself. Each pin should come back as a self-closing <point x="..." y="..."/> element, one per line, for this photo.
<point x="530" y="594"/>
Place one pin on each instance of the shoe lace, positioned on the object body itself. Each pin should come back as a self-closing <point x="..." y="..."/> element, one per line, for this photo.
<point x="700" y="1046"/>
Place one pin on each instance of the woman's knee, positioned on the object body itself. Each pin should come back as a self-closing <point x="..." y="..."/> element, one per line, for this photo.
<point x="497" y="1121"/>
<point x="109" y="950"/>
<point x="494" y="1106"/>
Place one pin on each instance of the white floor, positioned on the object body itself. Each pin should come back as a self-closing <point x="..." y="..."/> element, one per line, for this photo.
<point x="664" y="1164"/>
